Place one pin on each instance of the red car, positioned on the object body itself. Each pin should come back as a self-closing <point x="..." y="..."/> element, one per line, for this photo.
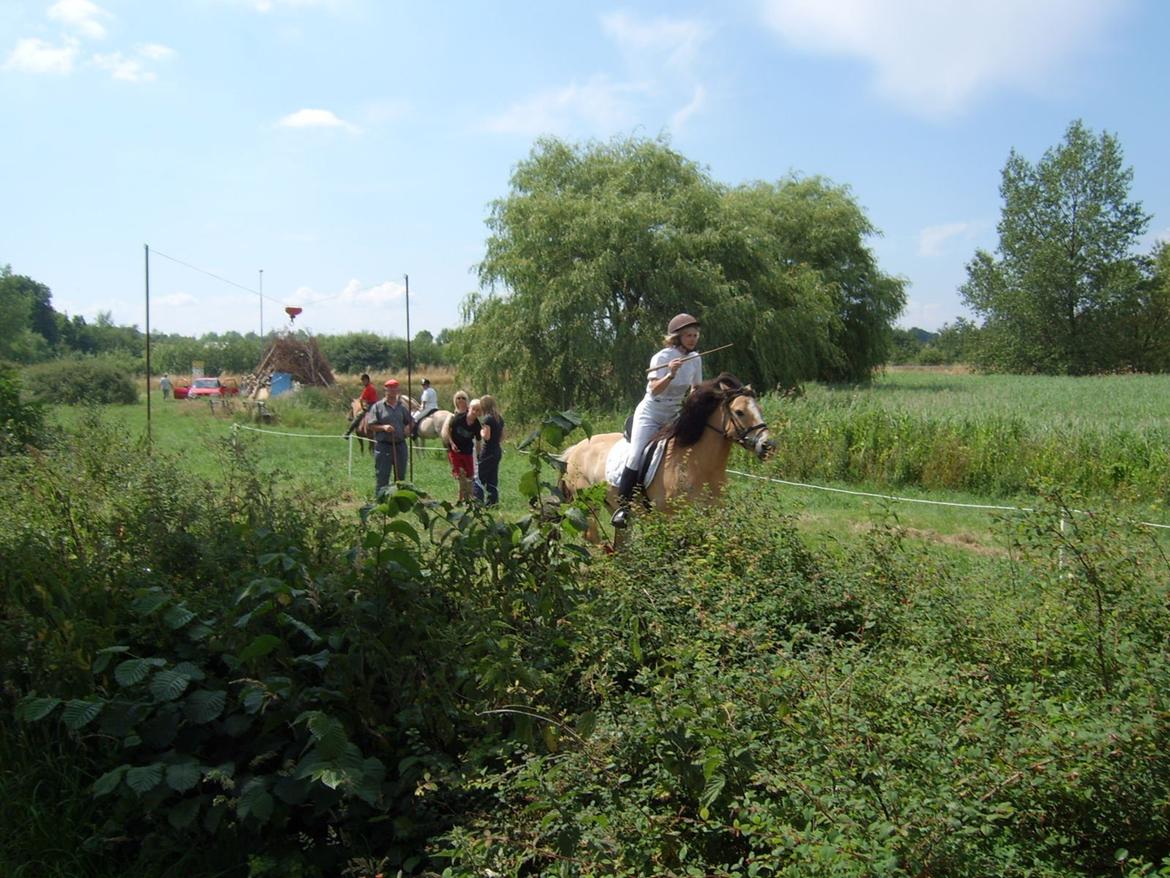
<point x="205" y="387"/>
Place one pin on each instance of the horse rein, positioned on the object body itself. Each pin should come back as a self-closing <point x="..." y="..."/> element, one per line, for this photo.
<point x="743" y="437"/>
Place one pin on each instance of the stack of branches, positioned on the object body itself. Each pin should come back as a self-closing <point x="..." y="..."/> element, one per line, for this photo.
<point x="300" y="357"/>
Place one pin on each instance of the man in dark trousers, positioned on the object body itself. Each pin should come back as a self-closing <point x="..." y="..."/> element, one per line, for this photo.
<point x="390" y="422"/>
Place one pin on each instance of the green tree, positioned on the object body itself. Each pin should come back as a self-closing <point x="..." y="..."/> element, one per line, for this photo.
<point x="595" y="248"/>
<point x="1064" y="276"/>
<point x="28" y="327"/>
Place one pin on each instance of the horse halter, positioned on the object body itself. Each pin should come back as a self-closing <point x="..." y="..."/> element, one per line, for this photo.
<point x="746" y="436"/>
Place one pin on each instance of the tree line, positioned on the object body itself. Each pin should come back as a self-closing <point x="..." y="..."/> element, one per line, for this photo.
<point x="595" y="246"/>
<point x="32" y="331"/>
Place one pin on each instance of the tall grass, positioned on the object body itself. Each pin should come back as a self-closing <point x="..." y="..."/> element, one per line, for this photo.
<point x="996" y="436"/>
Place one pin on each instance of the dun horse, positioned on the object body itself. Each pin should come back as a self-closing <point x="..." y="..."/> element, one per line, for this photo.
<point x="720" y="413"/>
<point x="431" y="427"/>
<point x="365" y="437"/>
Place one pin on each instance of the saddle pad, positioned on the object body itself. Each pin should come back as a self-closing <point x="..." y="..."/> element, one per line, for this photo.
<point x="616" y="461"/>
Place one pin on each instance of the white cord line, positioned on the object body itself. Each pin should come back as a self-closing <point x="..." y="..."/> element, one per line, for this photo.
<point x="914" y="499"/>
<point x="316" y="436"/>
<point x="736" y="472"/>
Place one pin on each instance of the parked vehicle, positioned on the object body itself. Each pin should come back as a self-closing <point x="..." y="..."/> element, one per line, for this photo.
<point x="212" y="387"/>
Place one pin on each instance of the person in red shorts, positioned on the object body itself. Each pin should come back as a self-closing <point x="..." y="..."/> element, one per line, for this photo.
<point x="461" y="436"/>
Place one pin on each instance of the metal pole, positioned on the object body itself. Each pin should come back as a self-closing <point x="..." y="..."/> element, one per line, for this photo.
<point x="409" y="374"/>
<point x="262" y="306"/>
<point x="146" y="249"/>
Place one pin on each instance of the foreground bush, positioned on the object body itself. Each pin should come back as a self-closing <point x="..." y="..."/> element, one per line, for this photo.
<point x="233" y="679"/>
<point x="84" y="380"/>
<point x="747" y="707"/>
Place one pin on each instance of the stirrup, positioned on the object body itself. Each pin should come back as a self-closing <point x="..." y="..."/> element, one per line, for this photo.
<point x="620" y="516"/>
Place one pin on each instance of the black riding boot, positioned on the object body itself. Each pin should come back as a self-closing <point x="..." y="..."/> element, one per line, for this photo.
<point x="626" y="487"/>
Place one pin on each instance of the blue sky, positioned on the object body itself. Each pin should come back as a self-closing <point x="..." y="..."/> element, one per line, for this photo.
<point x="339" y="145"/>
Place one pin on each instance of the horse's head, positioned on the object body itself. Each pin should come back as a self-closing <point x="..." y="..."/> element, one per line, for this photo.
<point x="743" y="422"/>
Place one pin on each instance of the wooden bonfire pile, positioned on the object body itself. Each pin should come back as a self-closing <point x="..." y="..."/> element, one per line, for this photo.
<point x="300" y="357"/>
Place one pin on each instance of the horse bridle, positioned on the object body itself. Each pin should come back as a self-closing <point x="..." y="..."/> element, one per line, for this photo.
<point x="741" y="436"/>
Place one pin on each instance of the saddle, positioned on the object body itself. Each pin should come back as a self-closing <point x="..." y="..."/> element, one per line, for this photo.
<point x="651" y="455"/>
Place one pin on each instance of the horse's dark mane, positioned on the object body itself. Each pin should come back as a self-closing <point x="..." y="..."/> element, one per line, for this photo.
<point x="688" y="428"/>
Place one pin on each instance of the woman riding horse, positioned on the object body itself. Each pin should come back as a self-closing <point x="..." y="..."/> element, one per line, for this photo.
<point x="665" y="389"/>
<point x="718" y="414"/>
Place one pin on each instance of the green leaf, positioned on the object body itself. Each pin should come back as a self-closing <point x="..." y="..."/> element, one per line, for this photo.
<point x="300" y="626"/>
<point x="190" y="670"/>
<point x="259" y="647"/>
<point x="105" y="656"/>
<point x="184" y="776"/>
<point x="148" y="603"/>
<point x="134" y="671"/>
<point x="184" y="813"/>
<point x="109" y="781"/>
<point x="255" y="801"/>
<point x="168" y="685"/>
<point x="400" y="526"/>
<point x="31" y="709"/>
<point x="79" y="713"/>
<point x="329" y="734"/>
<point x="577" y="518"/>
<point x="319" y="660"/>
<point x="204" y="705"/>
<point x="529" y="484"/>
<point x="144" y="778"/>
<point x="177" y="616"/>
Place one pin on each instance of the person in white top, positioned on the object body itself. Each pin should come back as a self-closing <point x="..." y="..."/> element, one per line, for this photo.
<point x="428" y="401"/>
<point x="674" y="370"/>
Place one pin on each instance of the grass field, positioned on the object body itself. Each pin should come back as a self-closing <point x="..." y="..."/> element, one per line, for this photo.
<point x="1048" y="418"/>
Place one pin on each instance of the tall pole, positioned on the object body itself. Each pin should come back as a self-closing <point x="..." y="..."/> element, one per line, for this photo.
<point x="146" y="248"/>
<point x="409" y="370"/>
<point x="262" y="306"/>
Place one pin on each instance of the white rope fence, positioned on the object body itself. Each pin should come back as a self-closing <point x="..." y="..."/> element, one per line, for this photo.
<point x="897" y="499"/>
<point x="986" y="507"/>
<point x="348" y="438"/>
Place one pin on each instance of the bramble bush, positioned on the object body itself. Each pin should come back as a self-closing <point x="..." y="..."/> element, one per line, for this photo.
<point x="250" y="683"/>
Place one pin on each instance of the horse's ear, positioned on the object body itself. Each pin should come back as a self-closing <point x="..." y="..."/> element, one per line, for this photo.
<point x="748" y="389"/>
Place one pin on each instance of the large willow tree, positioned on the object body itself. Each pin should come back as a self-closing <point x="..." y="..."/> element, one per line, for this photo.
<point x="595" y="247"/>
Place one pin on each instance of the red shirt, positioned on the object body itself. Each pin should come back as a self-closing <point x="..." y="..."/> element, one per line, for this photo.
<point x="369" y="394"/>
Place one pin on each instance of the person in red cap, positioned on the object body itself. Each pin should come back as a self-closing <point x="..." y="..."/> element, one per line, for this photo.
<point x="673" y="371"/>
<point x="390" y="422"/>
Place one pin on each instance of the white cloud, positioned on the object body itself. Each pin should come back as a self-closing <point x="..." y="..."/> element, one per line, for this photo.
<point x="659" y="59"/>
<point x="696" y="103"/>
<point x="354" y="293"/>
<point x="176" y="300"/>
<point x="934" y="57"/>
<point x="123" y="68"/>
<point x="598" y="104"/>
<point x="932" y="238"/>
<point x="156" y="51"/>
<point x="81" y="16"/>
<point x="674" y="40"/>
<point x="269" y="5"/>
<point x="311" y="118"/>
<point x="34" y="55"/>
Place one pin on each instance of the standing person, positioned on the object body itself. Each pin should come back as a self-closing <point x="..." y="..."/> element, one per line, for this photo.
<point x="461" y="435"/>
<point x="390" y="422"/>
<point x="674" y="372"/>
<point x="428" y="401"/>
<point x="368" y="397"/>
<point x="164" y="384"/>
<point x="490" y="453"/>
